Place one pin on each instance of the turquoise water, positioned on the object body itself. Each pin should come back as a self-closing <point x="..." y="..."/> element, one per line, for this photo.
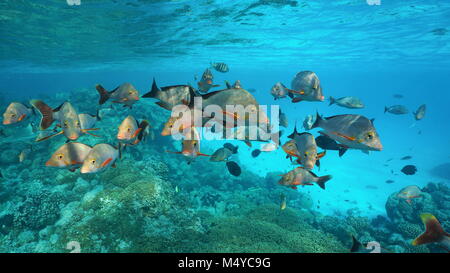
<point x="155" y="202"/>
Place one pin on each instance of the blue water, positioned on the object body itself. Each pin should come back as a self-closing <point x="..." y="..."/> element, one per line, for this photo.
<point x="50" y="49"/>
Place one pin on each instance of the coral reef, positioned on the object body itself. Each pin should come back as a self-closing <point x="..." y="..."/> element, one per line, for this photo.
<point x="154" y="202"/>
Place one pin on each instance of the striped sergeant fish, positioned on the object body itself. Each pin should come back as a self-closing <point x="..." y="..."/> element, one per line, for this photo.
<point x="220" y="67"/>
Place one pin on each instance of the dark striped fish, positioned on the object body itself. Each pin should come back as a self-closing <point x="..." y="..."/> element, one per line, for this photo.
<point x="220" y="67"/>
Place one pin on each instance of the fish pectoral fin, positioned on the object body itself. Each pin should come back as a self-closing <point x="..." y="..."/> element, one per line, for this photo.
<point x="301" y="92"/>
<point x="86" y="132"/>
<point x="22" y="117"/>
<point x="202" y="154"/>
<point x="106" y="162"/>
<point x="136" y="132"/>
<point x="50" y="136"/>
<point x="292" y="154"/>
<point x="322" y="154"/>
<point x="294" y="187"/>
<point x="248" y="143"/>
<point x="296" y="99"/>
<point x="233" y="115"/>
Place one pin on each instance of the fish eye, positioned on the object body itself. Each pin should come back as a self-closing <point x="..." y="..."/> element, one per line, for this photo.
<point x="60" y="156"/>
<point x="66" y="123"/>
<point x="93" y="161"/>
<point x="129" y="130"/>
<point x="13" y="115"/>
<point x="370" y="135"/>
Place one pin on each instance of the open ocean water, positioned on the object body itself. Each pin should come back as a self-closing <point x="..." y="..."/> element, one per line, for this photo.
<point x="395" y="53"/>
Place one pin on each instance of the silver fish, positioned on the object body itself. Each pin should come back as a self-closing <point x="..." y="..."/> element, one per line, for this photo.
<point x="420" y="112"/>
<point x="396" y="109"/>
<point x="124" y="94"/>
<point x="16" y="112"/>
<point x="206" y="82"/>
<point x="307" y="87"/>
<point x="221" y="154"/>
<point x="70" y="155"/>
<point x="352" y="131"/>
<point x="302" y="177"/>
<point x="99" y="158"/>
<point x="66" y="116"/>
<point x="306" y="149"/>
<point x="170" y="96"/>
<point x="279" y="91"/>
<point x="347" y="102"/>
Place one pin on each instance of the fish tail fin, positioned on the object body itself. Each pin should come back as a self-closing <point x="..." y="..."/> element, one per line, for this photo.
<point x="433" y="230"/>
<point x="143" y="125"/>
<point x="46" y="112"/>
<point x="356" y="245"/>
<point x="317" y="121"/>
<point x="153" y="91"/>
<point x="228" y="85"/>
<point x="385" y="109"/>
<point x="322" y="180"/>
<point x="104" y="94"/>
<point x="332" y="101"/>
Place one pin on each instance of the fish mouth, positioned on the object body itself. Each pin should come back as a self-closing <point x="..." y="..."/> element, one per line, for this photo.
<point x="48" y="164"/>
<point x="6" y="122"/>
<point x="73" y="137"/>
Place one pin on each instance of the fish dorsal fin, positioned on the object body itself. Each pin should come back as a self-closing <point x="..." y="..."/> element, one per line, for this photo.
<point x="356" y="245"/>
<point x="228" y="85"/>
<point x="115" y="89"/>
<point x="291" y="136"/>
<point x="313" y="174"/>
<point x="58" y="108"/>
